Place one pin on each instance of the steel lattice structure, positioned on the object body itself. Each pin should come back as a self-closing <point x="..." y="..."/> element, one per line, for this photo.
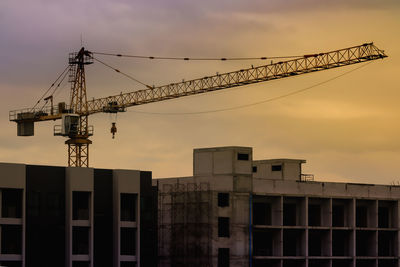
<point x="78" y="144"/>
<point x="306" y="64"/>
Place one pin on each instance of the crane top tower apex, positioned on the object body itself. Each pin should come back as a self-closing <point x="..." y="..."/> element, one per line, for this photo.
<point x="84" y="57"/>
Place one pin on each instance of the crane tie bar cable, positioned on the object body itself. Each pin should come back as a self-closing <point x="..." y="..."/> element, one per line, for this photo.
<point x="254" y="103"/>
<point x="126" y="75"/>
<point x="193" y="58"/>
<point x="58" y="85"/>
<point x="51" y="86"/>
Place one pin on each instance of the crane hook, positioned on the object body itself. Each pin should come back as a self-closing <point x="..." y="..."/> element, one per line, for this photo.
<point x="113" y="129"/>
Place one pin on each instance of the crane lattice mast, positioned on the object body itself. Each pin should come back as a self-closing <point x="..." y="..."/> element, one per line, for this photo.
<point x="78" y="142"/>
<point x="75" y="117"/>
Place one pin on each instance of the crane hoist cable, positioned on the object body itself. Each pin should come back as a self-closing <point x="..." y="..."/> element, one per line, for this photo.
<point x="258" y="102"/>
<point x="192" y="58"/>
<point x="122" y="73"/>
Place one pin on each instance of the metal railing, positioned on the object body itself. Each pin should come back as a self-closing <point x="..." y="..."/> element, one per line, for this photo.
<point x="36" y="113"/>
<point x="306" y="177"/>
<point x="57" y="130"/>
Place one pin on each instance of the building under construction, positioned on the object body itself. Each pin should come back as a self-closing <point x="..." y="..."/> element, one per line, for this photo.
<point x="236" y="211"/>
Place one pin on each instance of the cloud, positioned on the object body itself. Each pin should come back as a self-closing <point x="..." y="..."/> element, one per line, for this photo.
<point x="278" y="6"/>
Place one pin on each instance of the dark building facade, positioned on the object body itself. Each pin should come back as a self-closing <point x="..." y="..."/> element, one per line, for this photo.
<point x="57" y="216"/>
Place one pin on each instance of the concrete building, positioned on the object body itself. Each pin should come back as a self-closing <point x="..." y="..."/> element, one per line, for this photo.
<point x="76" y="217"/>
<point x="233" y="211"/>
<point x="236" y="211"/>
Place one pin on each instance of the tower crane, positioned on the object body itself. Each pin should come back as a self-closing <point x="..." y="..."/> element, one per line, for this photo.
<point x="75" y="116"/>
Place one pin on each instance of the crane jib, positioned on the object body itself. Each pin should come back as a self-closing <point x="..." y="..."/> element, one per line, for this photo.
<point x="302" y="65"/>
<point x="306" y="64"/>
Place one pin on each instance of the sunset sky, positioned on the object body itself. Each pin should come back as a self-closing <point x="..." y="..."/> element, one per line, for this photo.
<point x="347" y="129"/>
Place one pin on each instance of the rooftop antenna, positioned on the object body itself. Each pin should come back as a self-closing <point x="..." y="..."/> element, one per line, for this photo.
<point x="81" y="40"/>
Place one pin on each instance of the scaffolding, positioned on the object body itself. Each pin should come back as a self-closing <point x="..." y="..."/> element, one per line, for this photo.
<point x="185" y="224"/>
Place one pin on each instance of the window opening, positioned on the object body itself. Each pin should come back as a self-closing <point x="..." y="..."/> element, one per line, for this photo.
<point x="128" y="241"/>
<point x="11" y="239"/>
<point x="223" y="226"/>
<point x="223" y="257"/>
<point x="383" y="217"/>
<point x="11" y="205"/>
<point x="80" y="205"/>
<point x="223" y="199"/>
<point x="128" y="207"/>
<point x="361" y="216"/>
<point x="80" y="240"/>
<point x="314" y="215"/>
<point x="276" y="168"/>
<point x="243" y="156"/>
<point x="262" y="213"/>
<point x="289" y="214"/>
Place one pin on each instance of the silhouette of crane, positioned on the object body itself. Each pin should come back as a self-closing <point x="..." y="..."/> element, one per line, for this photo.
<point x="75" y="116"/>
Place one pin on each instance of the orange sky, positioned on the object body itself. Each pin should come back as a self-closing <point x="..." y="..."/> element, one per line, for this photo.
<point x="347" y="129"/>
